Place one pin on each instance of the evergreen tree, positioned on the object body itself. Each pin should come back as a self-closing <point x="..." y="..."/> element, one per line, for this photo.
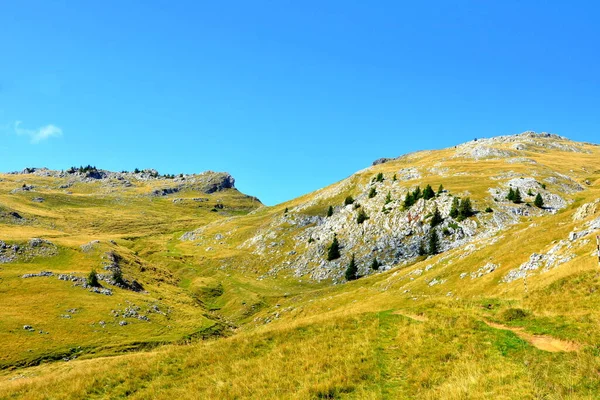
<point x="330" y="211"/>
<point x="511" y="195"/>
<point x="388" y="198"/>
<point x="421" y="251"/>
<point x="408" y="201"/>
<point x="285" y="211"/>
<point x="529" y="193"/>
<point x="379" y="177"/>
<point x="539" y="201"/>
<point x="395" y="178"/>
<point x="372" y="193"/>
<point x="465" y="210"/>
<point x="92" y="279"/>
<point x="428" y="193"/>
<point x="352" y="270"/>
<point x="375" y="264"/>
<point x="517" y="197"/>
<point x="333" y="251"/>
<point x="454" y="208"/>
<point x="434" y="243"/>
<point x="437" y="218"/>
<point x="440" y="189"/>
<point x="117" y="277"/>
<point x="348" y="200"/>
<point x="417" y="194"/>
<point x="362" y="216"/>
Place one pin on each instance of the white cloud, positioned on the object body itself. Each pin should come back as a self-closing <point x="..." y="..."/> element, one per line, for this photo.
<point x="39" y="134"/>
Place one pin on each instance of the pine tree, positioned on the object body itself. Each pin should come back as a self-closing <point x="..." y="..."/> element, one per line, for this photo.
<point x="362" y="216"/>
<point x="330" y="211"/>
<point x="92" y="279"/>
<point x="417" y="194"/>
<point x="437" y="218"/>
<point x="465" y="210"/>
<point x="395" y="178"/>
<point x="375" y="264"/>
<point x="352" y="270"/>
<point x="440" y="189"/>
<point x="421" y="251"/>
<point x="428" y="193"/>
<point x="539" y="201"/>
<point x="379" y="177"/>
<point x="408" y="201"/>
<point x="333" y="251"/>
<point x="454" y="208"/>
<point x="388" y="198"/>
<point x="434" y="243"/>
<point x="372" y="193"/>
<point x="511" y="195"/>
<point x="348" y="200"/>
<point x="517" y="197"/>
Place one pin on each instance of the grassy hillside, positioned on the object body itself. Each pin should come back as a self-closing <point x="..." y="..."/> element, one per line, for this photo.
<point x="242" y="302"/>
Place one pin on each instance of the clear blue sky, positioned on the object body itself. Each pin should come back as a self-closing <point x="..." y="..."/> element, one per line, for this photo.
<point x="287" y="96"/>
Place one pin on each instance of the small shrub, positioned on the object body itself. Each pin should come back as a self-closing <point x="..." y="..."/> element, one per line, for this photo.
<point x="379" y="177"/>
<point x="394" y="178"/>
<point x="362" y="216"/>
<point x="544" y="186"/>
<point x="440" y="189"/>
<point x="330" y="211"/>
<point x="348" y="200"/>
<point x="388" y="198"/>
<point x="513" y="314"/>
<point x="372" y="193"/>
<point x="117" y="277"/>
<point x="489" y="210"/>
<point x="92" y="279"/>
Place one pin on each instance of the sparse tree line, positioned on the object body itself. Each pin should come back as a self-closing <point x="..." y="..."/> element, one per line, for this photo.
<point x="92" y="169"/>
<point x="515" y="197"/>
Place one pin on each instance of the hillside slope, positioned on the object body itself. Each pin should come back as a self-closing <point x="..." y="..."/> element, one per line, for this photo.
<point x="504" y="305"/>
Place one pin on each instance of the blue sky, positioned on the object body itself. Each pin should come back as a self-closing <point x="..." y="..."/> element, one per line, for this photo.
<point x="287" y="96"/>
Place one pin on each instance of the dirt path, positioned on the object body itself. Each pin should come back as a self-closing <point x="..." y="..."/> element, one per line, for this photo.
<point x="542" y="342"/>
<point x="420" y="318"/>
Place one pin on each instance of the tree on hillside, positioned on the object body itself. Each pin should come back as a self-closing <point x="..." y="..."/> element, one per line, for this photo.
<point x="428" y="193"/>
<point x="417" y="194"/>
<point x="539" y="201"/>
<point x="408" y="201"/>
<point x="372" y="193"/>
<point x="421" y="250"/>
<point x="395" y="178"/>
<point x="92" y="279"/>
<point x="379" y="177"/>
<point x="375" y="264"/>
<point x="511" y="195"/>
<point x="434" y="243"/>
<point x="362" y="216"/>
<point x="348" y="200"/>
<point x="388" y="198"/>
<point x="352" y="270"/>
<point x="465" y="210"/>
<point x="437" y="218"/>
<point x="517" y="197"/>
<point x="454" y="208"/>
<point x="333" y="251"/>
<point x="330" y="211"/>
<point x="440" y="189"/>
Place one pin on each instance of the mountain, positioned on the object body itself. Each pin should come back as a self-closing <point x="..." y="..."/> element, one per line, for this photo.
<point x="477" y="277"/>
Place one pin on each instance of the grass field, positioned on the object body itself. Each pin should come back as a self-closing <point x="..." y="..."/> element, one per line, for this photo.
<point x="226" y="328"/>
